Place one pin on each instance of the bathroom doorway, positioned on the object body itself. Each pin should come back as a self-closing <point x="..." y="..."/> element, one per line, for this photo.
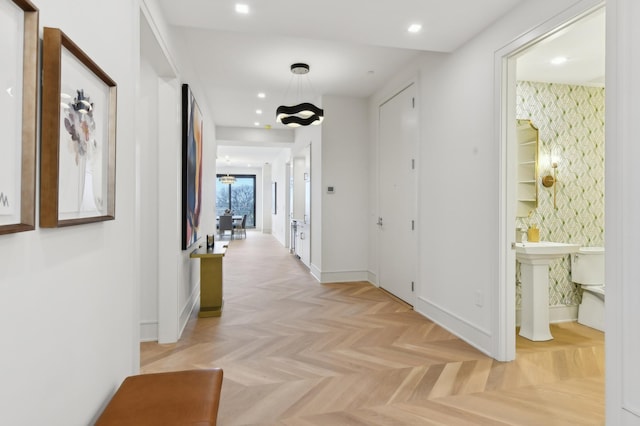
<point x="543" y="79"/>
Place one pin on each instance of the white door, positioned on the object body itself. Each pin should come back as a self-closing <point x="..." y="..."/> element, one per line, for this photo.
<point x="398" y="130"/>
<point x="305" y="233"/>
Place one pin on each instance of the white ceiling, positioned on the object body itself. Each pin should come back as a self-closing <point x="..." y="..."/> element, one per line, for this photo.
<point x="352" y="47"/>
<point x="582" y="43"/>
<point x="243" y="156"/>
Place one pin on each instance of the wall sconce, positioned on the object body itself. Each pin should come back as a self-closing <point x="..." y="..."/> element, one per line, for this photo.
<point x="550" y="180"/>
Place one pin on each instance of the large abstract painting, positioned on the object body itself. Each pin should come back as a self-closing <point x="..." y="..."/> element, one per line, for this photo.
<point x="77" y="178"/>
<point x="18" y="114"/>
<point x="191" y="168"/>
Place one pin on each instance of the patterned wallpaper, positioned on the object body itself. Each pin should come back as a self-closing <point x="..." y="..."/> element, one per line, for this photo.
<point x="570" y="120"/>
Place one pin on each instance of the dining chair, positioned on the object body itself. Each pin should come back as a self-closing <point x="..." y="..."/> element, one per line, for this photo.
<point x="225" y="224"/>
<point x="242" y="226"/>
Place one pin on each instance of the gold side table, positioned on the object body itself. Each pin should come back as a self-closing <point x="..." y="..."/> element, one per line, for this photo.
<point x="210" y="278"/>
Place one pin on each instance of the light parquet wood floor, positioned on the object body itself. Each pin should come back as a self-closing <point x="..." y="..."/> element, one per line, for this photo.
<point x="297" y="352"/>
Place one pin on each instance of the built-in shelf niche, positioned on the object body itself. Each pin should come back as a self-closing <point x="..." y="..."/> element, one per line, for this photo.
<point x="527" y="137"/>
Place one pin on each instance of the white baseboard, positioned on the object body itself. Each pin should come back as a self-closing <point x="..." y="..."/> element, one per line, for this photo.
<point x="557" y="314"/>
<point x="465" y="330"/>
<point x="315" y="272"/>
<point x="343" y="276"/>
<point x="148" y="331"/>
<point x="188" y="309"/>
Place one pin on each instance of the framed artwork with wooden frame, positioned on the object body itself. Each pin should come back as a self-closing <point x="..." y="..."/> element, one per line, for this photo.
<point x="18" y="115"/>
<point x="78" y="158"/>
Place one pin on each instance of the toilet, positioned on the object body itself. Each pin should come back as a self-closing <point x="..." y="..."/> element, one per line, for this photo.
<point x="587" y="269"/>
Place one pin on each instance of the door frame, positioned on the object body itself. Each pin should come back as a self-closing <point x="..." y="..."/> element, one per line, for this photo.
<point x="504" y="294"/>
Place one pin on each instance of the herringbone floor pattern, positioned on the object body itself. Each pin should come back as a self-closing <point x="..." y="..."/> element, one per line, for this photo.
<point x="297" y="352"/>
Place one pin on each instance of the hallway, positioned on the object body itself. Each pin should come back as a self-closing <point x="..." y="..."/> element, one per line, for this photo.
<point x="297" y="352"/>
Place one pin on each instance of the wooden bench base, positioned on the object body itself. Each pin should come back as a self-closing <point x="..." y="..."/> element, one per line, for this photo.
<point x="187" y="397"/>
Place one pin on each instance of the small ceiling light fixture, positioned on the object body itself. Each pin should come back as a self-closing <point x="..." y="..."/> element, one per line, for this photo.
<point x="227" y="180"/>
<point x="414" y="28"/>
<point x="258" y="111"/>
<point x="559" y="60"/>
<point x="302" y="114"/>
<point x="242" y="8"/>
<point x="262" y="95"/>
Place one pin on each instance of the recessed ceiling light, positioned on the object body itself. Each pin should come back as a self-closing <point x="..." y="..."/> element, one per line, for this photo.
<point x="414" y="28"/>
<point x="559" y="60"/>
<point x="256" y="123"/>
<point x="262" y="95"/>
<point x="258" y="111"/>
<point x="242" y="8"/>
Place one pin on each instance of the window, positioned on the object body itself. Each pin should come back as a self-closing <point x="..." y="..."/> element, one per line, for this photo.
<point x="239" y="197"/>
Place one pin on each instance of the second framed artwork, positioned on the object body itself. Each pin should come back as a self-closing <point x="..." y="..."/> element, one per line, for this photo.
<point x="78" y="158"/>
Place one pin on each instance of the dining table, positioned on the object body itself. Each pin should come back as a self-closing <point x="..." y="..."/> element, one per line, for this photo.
<point x="235" y="218"/>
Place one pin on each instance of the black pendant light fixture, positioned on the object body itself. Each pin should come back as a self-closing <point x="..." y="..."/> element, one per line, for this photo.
<point x="302" y="114"/>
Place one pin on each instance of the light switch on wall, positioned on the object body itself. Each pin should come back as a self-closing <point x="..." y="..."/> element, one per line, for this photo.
<point x="479" y="298"/>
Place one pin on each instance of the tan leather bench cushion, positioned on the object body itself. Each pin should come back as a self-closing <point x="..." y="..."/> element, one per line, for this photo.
<point x="176" y="398"/>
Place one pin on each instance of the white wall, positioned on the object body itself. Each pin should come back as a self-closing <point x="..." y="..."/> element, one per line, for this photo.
<point x="459" y="166"/>
<point x="172" y="290"/>
<point x="345" y="167"/>
<point x="339" y="151"/>
<point x="69" y="304"/>
<point x="148" y="200"/>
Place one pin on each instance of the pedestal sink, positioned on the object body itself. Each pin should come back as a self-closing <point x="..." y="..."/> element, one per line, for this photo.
<point x="534" y="268"/>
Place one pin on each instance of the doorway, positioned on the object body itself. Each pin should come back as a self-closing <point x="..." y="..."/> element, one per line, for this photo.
<point x="397" y="255"/>
<point x="239" y="197"/>
<point x="532" y="87"/>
